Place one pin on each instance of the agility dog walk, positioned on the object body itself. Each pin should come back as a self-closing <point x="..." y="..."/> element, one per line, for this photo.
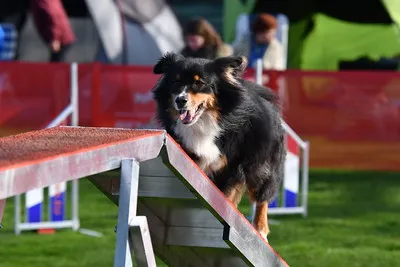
<point x="190" y="221"/>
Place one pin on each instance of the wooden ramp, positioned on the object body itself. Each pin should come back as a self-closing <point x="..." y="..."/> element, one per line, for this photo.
<point x="163" y="193"/>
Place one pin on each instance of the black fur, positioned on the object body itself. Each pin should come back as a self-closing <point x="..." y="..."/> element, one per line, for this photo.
<point x="252" y="138"/>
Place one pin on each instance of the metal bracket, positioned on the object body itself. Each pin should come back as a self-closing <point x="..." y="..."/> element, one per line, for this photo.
<point x="133" y="235"/>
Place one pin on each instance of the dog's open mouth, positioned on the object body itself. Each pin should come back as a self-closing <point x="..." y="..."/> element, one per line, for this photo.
<point x="189" y="115"/>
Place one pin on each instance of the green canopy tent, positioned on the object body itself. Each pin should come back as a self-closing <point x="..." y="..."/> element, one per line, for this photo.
<point x="324" y="32"/>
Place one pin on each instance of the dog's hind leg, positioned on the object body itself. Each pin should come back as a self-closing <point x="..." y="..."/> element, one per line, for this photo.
<point x="261" y="219"/>
<point x="235" y="193"/>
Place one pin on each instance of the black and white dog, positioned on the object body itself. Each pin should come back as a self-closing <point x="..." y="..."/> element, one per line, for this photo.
<point x="229" y="126"/>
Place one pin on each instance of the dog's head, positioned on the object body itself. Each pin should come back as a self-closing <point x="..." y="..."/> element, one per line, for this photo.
<point x="192" y="84"/>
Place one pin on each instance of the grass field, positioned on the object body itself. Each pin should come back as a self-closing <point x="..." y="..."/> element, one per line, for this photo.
<point x="354" y="221"/>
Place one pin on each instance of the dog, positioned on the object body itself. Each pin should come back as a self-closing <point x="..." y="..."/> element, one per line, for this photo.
<point x="229" y="126"/>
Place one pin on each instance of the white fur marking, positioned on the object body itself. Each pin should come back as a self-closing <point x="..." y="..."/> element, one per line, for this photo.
<point x="200" y="138"/>
<point x="183" y="93"/>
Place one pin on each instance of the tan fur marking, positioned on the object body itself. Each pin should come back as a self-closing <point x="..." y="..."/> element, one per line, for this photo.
<point x="214" y="113"/>
<point x="196" y="77"/>
<point x="219" y="165"/>
<point x="244" y="63"/>
<point x="197" y="98"/>
<point x="235" y="193"/>
<point x="230" y="77"/>
<point x="230" y="74"/>
<point x="251" y="193"/>
<point x="213" y="167"/>
<point x="261" y="219"/>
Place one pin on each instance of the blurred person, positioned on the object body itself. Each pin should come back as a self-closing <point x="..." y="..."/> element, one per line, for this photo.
<point x="202" y="40"/>
<point x="262" y="43"/>
<point x="53" y="26"/>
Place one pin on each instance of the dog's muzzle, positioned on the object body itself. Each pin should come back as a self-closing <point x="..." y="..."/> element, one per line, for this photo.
<point x="181" y="101"/>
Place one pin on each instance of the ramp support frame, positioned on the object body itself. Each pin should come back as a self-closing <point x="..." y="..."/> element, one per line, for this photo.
<point x="133" y="235"/>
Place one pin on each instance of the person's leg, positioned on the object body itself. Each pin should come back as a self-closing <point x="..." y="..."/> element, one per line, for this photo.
<point x="55" y="56"/>
<point x="60" y="55"/>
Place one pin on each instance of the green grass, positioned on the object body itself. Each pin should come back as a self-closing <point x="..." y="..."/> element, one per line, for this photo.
<point x="354" y="220"/>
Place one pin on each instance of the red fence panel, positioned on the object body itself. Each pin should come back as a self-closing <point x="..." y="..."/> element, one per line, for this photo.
<point x="31" y="94"/>
<point x="122" y="97"/>
<point x="351" y="119"/>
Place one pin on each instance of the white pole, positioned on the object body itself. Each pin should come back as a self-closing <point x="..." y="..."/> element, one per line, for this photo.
<point x="293" y="134"/>
<point x="305" y="177"/>
<point x="259" y="71"/>
<point x="75" y="205"/>
<point x="63" y="115"/>
<point x="17" y="214"/>
<point x="74" y="95"/>
<point x="75" y="122"/>
<point x="285" y="34"/>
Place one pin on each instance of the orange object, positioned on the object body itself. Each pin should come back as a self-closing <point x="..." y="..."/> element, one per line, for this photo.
<point x="46" y="231"/>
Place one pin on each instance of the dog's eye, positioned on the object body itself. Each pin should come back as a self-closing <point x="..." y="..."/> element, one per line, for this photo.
<point x="198" y="82"/>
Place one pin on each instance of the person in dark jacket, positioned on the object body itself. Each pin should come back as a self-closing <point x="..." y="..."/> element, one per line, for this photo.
<point x="53" y="26"/>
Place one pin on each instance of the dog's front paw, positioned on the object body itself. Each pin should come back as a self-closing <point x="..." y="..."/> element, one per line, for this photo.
<point x="264" y="235"/>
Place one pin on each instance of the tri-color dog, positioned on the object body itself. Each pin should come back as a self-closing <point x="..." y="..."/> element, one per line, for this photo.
<point x="229" y="126"/>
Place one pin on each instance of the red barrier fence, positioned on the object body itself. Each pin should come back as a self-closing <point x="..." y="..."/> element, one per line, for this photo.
<point x="31" y="94"/>
<point x="350" y="118"/>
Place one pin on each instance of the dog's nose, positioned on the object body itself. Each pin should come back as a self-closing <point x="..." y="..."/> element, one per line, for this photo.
<point x="181" y="101"/>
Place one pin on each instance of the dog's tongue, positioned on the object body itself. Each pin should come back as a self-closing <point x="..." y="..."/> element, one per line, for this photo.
<point x="186" y="116"/>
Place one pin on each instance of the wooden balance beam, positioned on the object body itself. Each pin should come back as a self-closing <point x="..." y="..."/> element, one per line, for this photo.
<point x="166" y="202"/>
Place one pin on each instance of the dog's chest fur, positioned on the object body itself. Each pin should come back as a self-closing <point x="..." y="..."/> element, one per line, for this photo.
<point x="199" y="139"/>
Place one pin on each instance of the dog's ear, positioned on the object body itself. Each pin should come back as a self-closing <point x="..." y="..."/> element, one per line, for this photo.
<point x="165" y="62"/>
<point x="233" y="64"/>
<point x="230" y="68"/>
